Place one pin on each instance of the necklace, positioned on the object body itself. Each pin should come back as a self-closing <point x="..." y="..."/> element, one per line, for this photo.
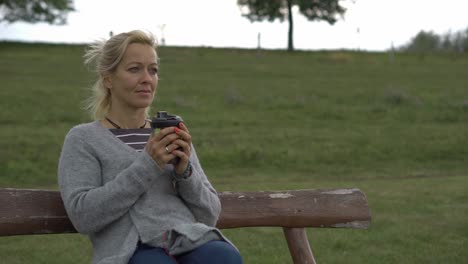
<point x="118" y="127"/>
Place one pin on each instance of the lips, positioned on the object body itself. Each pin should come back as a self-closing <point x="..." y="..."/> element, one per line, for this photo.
<point x="144" y="92"/>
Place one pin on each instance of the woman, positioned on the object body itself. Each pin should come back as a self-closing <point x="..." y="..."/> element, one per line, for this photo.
<point x="141" y="197"/>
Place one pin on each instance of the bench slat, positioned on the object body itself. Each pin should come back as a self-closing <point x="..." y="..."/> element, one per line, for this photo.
<point x="24" y="211"/>
<point x="297" y="208"/>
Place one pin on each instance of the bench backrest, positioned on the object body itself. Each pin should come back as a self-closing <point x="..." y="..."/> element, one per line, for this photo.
<point x="24" y="211"/>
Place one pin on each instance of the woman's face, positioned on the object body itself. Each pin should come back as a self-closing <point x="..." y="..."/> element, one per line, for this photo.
<point x="134" y="82"/>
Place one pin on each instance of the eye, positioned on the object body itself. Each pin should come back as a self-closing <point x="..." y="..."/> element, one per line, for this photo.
<point x="133" y="69"/>
<point x="153" y="71"/>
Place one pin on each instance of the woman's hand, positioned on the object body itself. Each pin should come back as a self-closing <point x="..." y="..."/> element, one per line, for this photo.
<point x="171" y="145"/>
<point x="157" y="146"/>
<point x="181" y="148"/>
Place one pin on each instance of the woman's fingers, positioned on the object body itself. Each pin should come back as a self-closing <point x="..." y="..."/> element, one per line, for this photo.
<point x="180" y="144"/>
<point x="183" y="127"/>
<point x="160" y="143"/>
<point x="171" y="143"/>
<point x="161" y="134"/>
<point x="165" y="135"/>
<point x="184" y="135"/>
<point x="158" y="146"/>
<point x="182" y="163"/>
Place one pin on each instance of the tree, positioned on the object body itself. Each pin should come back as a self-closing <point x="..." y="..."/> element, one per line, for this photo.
<point x="424" y="42"/>
<point x="313" y="10"/>
<point x="428" y="41"/>
<point x="33" y="11"/>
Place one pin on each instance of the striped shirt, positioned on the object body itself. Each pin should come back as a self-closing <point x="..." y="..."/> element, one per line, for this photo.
<point x="135" y="138"/>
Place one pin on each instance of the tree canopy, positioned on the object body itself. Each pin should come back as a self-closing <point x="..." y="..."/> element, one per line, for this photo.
<point x="270" y="10"/>
<point x="428" y="41"/>
<point x="33" y="11"/>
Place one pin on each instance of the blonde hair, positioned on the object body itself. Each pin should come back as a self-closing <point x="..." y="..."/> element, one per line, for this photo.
<point x="104" y="57"/>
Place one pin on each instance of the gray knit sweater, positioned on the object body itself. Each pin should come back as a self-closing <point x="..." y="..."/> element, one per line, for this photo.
<point x="119" y="196"/>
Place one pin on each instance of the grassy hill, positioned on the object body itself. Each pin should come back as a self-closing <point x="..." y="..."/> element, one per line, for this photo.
<point x="272" y="120"/>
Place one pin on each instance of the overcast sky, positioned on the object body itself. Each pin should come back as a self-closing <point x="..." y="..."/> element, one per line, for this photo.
<point x="367" y="25"/>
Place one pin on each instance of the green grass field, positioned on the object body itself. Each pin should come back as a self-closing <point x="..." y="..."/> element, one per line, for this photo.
<point x="273" y="120"/>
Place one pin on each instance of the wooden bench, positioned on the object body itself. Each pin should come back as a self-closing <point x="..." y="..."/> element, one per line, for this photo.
<point x="27" y="212"/>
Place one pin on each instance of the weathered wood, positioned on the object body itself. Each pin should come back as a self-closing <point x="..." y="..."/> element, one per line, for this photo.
<point x="298" y="208"/>
<point x="24" y="211"/>
<point x="298" y="245"/>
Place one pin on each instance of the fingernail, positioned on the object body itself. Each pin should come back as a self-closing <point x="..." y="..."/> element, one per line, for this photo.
<point x="177" y="130"/>
<point x="181" y="125"/>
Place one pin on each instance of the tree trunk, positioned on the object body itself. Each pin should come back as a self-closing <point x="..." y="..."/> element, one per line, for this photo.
<point x="290" y="32"/>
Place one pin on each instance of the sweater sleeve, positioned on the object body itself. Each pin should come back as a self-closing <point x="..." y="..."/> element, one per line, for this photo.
<point x="90" y="204"/>
<point x="199" y="194"/>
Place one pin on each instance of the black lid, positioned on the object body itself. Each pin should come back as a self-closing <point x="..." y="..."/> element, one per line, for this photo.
<point x="163" y="119"/>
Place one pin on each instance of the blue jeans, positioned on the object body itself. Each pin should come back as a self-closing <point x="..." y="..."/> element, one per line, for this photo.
<point x="213" y="252"/>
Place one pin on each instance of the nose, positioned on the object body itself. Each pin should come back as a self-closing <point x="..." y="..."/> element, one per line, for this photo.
<point x="147" y="77"/>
